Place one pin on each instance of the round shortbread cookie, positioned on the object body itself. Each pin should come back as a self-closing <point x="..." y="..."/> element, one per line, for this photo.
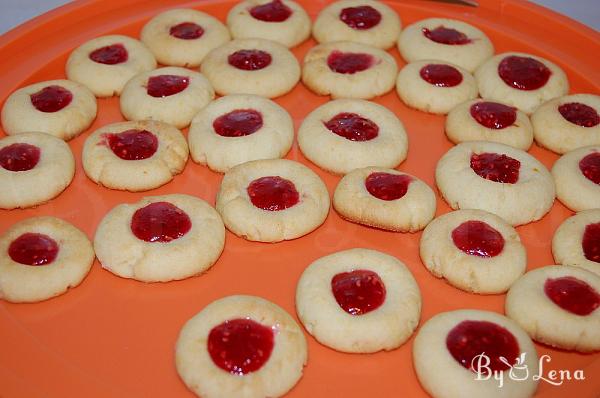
<point x="172" y="95"/>
<point x="474" y="250"/>
<point x="568" y="123"/>
<point x="434" y="86"/>
<point x="521" y="80"/>
<point x="576" y="241"/>
<point x="449" y="347"/>
<point x="160" y="238"/>
<point x="273" y="349"/>
<point x="385" y="198"/>
<point x="577" y="178"/>
<point x="359" y="301"/>
<point x="283" y="21"/>
<point x="480" y="120"/>
<point x="134" y="156"/>
<point x="252" y="66"/>
<point x="239" y="128"/>
<point x="347" y="134"/>
<point x="34" y="168"/>
<point x="349" y="70"/>
<point x="61" y="108"/>
<point x="272" y="200"/>
<point x="183" y="37"/>
<point x="106" y="63"/>
<point x="42" y="257"/>
<point x="558" y="306"/>
<point x="447" y="40"/>
<point x="496" y="178"/>
<point x="361" y="21"/>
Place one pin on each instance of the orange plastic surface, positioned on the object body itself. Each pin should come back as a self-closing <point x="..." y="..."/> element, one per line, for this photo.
<point x="113" y="337"/>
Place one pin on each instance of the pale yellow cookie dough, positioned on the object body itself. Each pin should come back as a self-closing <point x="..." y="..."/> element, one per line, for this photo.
<point x="567" y="242"/>
<point x="573" y="188"/>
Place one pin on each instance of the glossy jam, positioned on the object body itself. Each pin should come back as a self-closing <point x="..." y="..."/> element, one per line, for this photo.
<point x="580" y="114"/>
<point x="441" y="75"/>
<point x="275" y="11"/>
<point x="572" y="294"/>
<point x="358" y="292"/>
<point x="469" y="339"/>
<point x="493" y="115"/>
<point x="445" y="35"/>
<point x="238" y="123"/>
<point x="240" y="346"/>
<point x="478" y="239"/>
<point x="496" y="167"/>
<point x="133" y="144"/>
<point x="386" y="186"/>
<point x="33" y="249"/>
<point x="590" y="167"/>
<point x="523" y="73"/>
<point x="250" y="59"/>
<point x="160" y="222"/>
<point x="352" y="127"/>
<point x="361" y="17"/>
<point x="110" y="55"/>
<point x="19" y="157"/>
<point x="349" y="63"/>
<point x="590" y="242"/>
<point x="273" y="193"/>
<point x="51" y="99"/>
<point x="186" y="31"/>
<point x="166" y="85"/>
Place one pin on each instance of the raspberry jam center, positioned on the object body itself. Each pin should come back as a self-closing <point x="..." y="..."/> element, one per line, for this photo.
<point x="240" y="346"/>
<point x="186" y="31"/>
<point x="496" y="167"/>
<point x="160" y="222"/>
<point x="572" y="294"/>
<point x="523" y="73"/>
<point x="349" y="63"/>
<point x="165" y="85"/>
<point x="441" y="75"/>
<point x="591" y="242"/>
<point x="352" y="127"/>
<point x="444" y="35"/>
<point x="494" y="115"/>
<point x="19" y="157"/>
<point x="238" y="123"/>
<point x="273" y="193"/>
<point x="590" y="167"/>
<point x="133" y="144"/>
<point x="33" y="249"/>
<point x="580" y="114"/>
<point x="51" y="99"/>
<point x="358" y="292"/>
<point x="361" y="17"/>
<point x="386" y="186"/>
<point x="275" y="11"/>
<point x="469" y="339"/>
<point x="478" y="239"/>
<point x="110" y="55"/>
<point x="250" y="59"/>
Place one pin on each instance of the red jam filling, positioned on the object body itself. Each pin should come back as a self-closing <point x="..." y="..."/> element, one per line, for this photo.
<point x="275" y="11"/>
<point x="110" y="55"/>
<point x="358" y="292"/>
<point x="240" y="346"/>
<point x="19" y="157"/>
<point x="133" y="144"/>
<point x="349" y="63"/>
<point x="238" y="123"/>
<point x="186" y="31"/>
<point x="523" y="73"/>
<point x="478" y="239"/>
<point x="273" y="193"/>
<point x="51" y="99"/>
<point x="495" y="167"/>
<point x="441" y="75"/>
<point x="160" y="222"/>
<point x="386" y="186"/>
<point x="361" y="17"/>
<point x="165" y="85"/>
<point x="445" y="35"/>
<point x="572" y="294"/>
<point x="352" y="127"/>
<point x="591" y="242"/>
<point x="250" y="59"/>
<point x="469" y="339"/>
<point x="580" y="114"/>
<point x="590" y="167"/>
<point x="33" y="249"/>
<point x="494" y="115"/>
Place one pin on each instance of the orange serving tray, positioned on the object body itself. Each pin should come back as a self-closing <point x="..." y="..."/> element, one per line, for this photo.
<point x="113" y="337"/>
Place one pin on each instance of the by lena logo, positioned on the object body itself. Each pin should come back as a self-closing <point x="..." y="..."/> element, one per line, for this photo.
<point x="519" y="371"/>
